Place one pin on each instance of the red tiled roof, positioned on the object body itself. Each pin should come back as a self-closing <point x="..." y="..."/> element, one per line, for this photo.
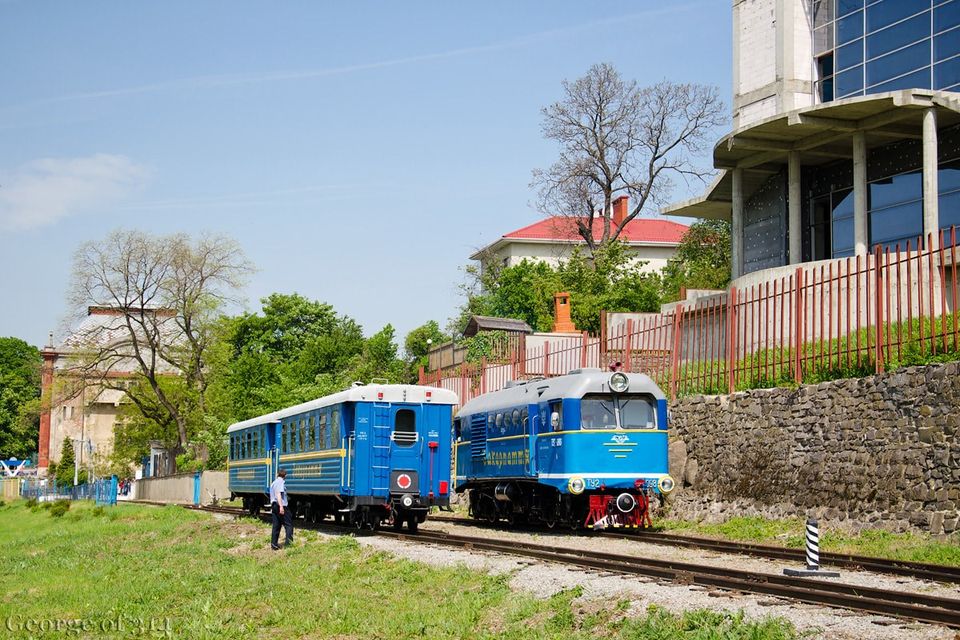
<point x="637" y="230"/>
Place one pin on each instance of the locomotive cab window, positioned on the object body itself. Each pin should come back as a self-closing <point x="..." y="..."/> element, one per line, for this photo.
<point x="556" y="416"/>
<point x="405" y="427"/>
<point x="618" y="412"/>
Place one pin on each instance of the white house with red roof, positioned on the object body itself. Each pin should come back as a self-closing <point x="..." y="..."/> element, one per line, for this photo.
<point x="552" y="240"/>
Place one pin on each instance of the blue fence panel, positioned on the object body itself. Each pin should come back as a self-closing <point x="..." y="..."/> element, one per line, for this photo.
<point x="104" y="491"/>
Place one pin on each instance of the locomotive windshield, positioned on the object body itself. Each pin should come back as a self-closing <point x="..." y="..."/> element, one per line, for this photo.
<point x="617" y="412"/>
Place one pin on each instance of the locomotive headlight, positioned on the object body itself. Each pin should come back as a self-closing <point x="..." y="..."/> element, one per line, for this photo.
<point x="619" y="382"/>
<point x="666" y="484"/>
<point x="576" y="486"/>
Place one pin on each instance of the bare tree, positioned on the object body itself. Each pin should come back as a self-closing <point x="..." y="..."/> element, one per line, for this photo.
<point x="158" y="296"/>
<point x="618" y="139"/>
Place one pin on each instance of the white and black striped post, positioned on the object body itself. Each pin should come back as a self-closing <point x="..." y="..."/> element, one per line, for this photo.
<point x="813" y="554"/>
<point x="813" y="545"/>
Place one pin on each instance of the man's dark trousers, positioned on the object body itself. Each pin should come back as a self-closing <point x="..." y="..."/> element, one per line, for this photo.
<point x="286" y="519"/>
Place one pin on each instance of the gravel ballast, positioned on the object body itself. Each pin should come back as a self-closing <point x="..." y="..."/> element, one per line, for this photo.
<point x="544" y="580"/>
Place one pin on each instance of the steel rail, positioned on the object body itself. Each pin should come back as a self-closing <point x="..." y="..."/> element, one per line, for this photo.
<point x="934" y="572"/>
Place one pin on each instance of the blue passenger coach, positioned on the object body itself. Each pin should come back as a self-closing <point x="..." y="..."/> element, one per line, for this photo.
<point x="588" y="449"/>
<point x="369" y="454"/>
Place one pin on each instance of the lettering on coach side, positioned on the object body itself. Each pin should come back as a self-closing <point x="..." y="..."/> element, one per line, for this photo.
<point x="502" y="458"/>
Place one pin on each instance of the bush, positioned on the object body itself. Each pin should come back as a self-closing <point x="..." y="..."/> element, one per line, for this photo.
<point x="59" y="508"/>
<point x="31" y="503"/>
<point x="99" y="512"/>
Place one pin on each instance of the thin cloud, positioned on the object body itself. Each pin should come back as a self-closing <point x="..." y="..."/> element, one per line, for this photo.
<point x="46" y="191"/>
<point x="323" y="192"/>
<point x="226" y="80"/>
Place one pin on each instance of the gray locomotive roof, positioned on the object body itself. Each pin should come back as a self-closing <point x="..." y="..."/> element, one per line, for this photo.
<point x="367" y="392"/>
<point x="575" y="384"/>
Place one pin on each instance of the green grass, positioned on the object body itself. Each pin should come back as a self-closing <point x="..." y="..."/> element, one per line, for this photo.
<point x="911" y="547"/>
<point x="189" y="575"/>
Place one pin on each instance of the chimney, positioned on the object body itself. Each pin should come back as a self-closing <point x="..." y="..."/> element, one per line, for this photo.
<point x="621" y="209"/>
<point x="561" y="319"/>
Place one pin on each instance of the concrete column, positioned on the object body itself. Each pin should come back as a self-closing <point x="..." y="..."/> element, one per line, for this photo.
<point x="931" y="207"/>
<point x="860" y="230"/>
<point x="736" y="227"/>
<point x="794" y="206"/>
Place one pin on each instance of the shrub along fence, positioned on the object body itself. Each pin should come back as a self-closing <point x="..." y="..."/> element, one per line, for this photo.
<point x="838" y="318"/>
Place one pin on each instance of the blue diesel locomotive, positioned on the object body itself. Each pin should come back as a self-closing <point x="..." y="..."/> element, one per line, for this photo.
<point x="369" y="454"/>
<point x="588" y="449"/>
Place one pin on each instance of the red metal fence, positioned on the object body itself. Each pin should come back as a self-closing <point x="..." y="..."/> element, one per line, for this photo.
<point x="825" y="320"/>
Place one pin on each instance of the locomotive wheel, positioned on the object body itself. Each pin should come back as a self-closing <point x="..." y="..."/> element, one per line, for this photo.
<point x="412" y="523"/>
<point x="396" y="522"/>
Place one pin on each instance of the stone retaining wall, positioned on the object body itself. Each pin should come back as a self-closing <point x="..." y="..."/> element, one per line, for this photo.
<point x="881" y="451"/>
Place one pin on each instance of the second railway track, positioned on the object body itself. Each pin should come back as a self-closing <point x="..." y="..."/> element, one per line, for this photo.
<point x="923" y="571"/>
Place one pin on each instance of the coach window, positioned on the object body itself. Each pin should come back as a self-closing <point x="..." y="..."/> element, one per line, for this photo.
<point x="405" y="427"/>
<point x="335" y="429"/>
<point x="526" y="423"/>
<point x="324" y="420"/>
<point x="499" y="419"/>
<point x="304" y="443"/>
<point x="516" y="417"/>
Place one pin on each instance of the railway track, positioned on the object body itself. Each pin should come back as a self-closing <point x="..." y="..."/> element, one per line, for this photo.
<point x="913" y="606"/>
<point x="900" y="604"/>
<point x="933" y="572"/>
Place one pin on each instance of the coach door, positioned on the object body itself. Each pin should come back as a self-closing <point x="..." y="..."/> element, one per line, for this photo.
<point x="381" y="428"/>
<point x="406" y="449"/>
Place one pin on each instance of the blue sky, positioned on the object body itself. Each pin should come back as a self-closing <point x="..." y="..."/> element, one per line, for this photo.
<point x="359" y="152"/>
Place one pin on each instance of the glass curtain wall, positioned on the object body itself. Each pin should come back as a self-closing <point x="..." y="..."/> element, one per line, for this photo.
<point x="871" y="46"/>
<point x="894" y="216"/>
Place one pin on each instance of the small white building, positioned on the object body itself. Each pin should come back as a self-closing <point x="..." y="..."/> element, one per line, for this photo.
<point x="552" y="240"/>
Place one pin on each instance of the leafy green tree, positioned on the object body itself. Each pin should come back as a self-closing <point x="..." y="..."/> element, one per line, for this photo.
<point x="610" y="281"/>
<point x="523" y="291"/>
<point x="377" y="360"/>
<point x="419" y="342"/>
<point x="19" y="397"/>
<point x="293" y="350"/>
<point x="702" y="260"/>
